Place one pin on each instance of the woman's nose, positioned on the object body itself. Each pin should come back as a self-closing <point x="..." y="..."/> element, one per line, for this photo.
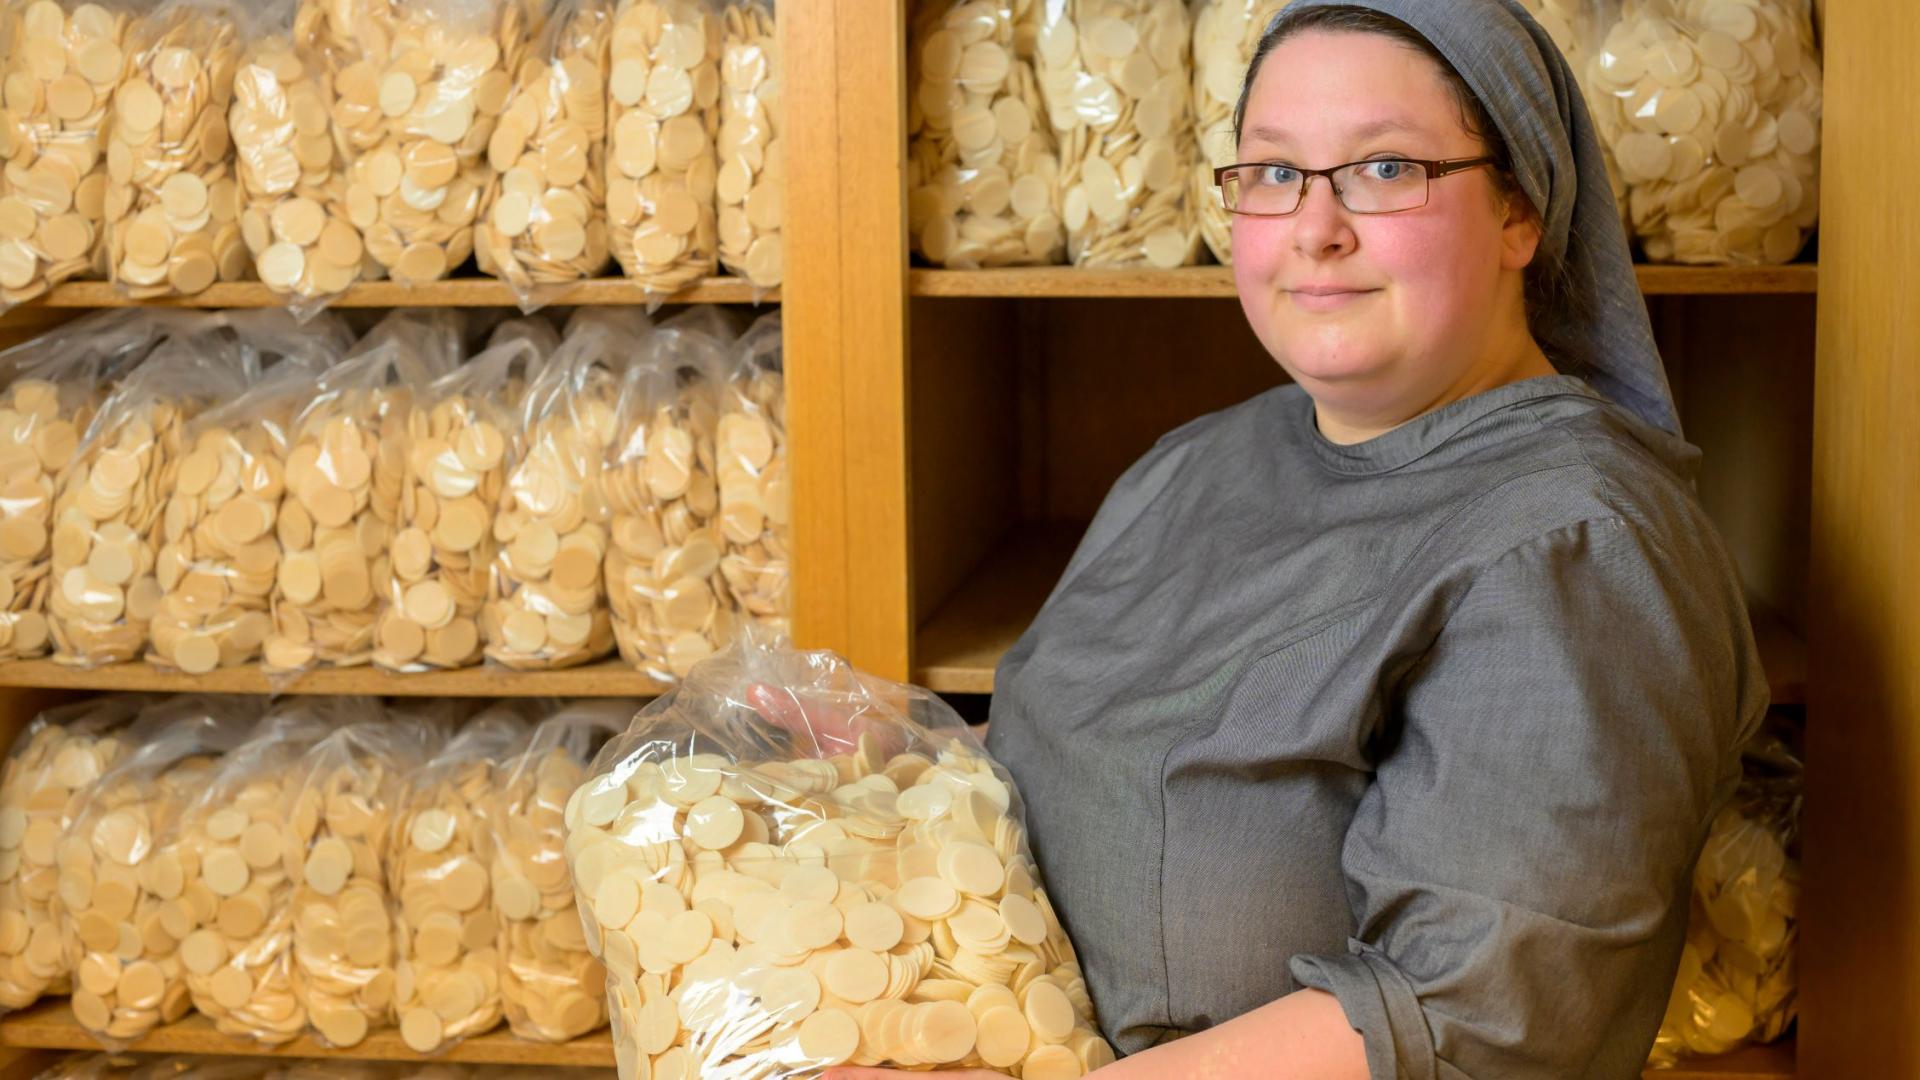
<point x="1322" y="227"/>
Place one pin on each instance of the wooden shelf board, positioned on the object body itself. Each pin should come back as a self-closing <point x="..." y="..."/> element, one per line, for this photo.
<point x="50" y="1025"/>
<point x="1775" y="1062"/>
<point x="609" y="678"/>
<point x="958" y="648"/>
<point x="1217" y="281"/>
<point x="454" y="292"/>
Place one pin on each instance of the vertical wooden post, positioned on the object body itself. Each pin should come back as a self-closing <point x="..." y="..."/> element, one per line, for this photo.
<point x="1860" y="946"/>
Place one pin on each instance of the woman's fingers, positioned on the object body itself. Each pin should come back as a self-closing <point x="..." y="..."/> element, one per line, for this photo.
<point x="847" y="1072"/>
<point x="825" y="727"/>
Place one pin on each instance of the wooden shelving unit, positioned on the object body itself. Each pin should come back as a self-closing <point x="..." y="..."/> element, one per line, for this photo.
<point x="609" y="678"/>
<point x="1217" y="281"/>
<point x="453" y="292"/>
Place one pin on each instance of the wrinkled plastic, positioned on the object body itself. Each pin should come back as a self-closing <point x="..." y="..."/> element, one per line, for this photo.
<point x="172" y="204"/>
<point x="1225" y="33"/>
<point x="219" y="555"/>
<point x="536" y="330"/>
<point x="751" y="183"/>
<point x="1738" y="981"/>
<point x="123" y="905"/>
<point x="543" y="222"/>
<point x="54" y="383"/>
<point x="983" y="169"/>
<point x="233" y="837"/>
<point x="420" y="84"/>
<point x="350" y="788"/>
<point x="1711" y="116"/>
<point x="756" y="492"/>
<point x="663" y="110"/>
<point x="108" y="511"/>
<point x="547" y="605"/>
<point x="447" y="984"/>
<point x="552" y="988"/>
<point x="344" y="477"/>
<point x="53" y="763"/>
<point x="851" y="885"/>
<point x="53" y="138"/>
<point x="441" y="559"/>
<point x="670" y="604"/>
<point x="1117" y="77"/>
<point x="293" y="176"/>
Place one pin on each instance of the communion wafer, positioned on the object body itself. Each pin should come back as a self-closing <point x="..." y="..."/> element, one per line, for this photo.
<point x="56" y="91"/>
<point x="751" y="164"/>
<point x="983" y="176"/>
<point x="859" y="909"/>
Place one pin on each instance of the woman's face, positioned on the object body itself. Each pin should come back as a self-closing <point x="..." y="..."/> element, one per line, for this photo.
<point x="1375" y="312"/>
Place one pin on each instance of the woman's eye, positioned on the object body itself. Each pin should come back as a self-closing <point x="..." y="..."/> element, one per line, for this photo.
<point x="1386" y="171"/>
<point x="1275" y="175"/>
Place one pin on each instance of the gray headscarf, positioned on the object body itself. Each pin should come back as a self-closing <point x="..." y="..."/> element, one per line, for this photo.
<point x="1600" y="330"/>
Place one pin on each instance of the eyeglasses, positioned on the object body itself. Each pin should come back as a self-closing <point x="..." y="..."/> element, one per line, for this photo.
<point x="1380" y="186"/>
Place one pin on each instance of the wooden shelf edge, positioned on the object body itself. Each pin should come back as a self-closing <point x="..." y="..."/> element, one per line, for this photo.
<point x="50" y="1025"/>
<point x="959" y="647"/>
<point x="609" y="678"/>
<point x="1217" y="281"/>
<point x="1776" y="1061"/>
<point x="453" y="292"/>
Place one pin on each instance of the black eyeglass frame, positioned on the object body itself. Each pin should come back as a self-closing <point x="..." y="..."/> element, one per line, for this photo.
<point x="1434" y="169"/>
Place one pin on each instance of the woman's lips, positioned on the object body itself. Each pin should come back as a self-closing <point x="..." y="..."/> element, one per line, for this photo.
<point x="1319" y="298"/>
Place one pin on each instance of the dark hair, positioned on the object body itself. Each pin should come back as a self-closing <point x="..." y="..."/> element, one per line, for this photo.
<point x="1543" y="276"/>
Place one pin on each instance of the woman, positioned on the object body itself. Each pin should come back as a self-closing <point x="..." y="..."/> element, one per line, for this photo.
<point x="1376" y="724"/>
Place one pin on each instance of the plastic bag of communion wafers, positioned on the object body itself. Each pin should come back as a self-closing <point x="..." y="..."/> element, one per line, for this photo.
<point x="670" y="605"/>
<point x="1737" y="980"/>
<point x="52" y="386"/>
<point x="552" y="988"/>
<point x="752" y="178"/>
<point x="343" y="804"/>
<point x="1711" y="114"/>
<point x="1225" y="33"/>
<point x="447" y="972"/>
<point x="123" y="894"/>
<point x="61" y="62"/>
<point x="842" y="878"/>
<point x="108" y="513"/>
<point x="983" y="169"/>
<point x="750" y="460"/>
<point x="53" y="763"/>
<point x="547" y="607"/>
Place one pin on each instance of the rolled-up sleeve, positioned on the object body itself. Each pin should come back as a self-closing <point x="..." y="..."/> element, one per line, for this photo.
<point x="1519" y="868"/>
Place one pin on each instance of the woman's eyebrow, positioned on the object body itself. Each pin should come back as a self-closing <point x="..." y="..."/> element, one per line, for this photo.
<point x="1373" y="129"/>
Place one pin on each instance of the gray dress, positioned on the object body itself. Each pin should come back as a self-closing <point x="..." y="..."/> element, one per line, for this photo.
<point x="1435" y="722"/>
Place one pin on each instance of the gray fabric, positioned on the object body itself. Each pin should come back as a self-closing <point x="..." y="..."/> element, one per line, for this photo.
<point x="1435" y="722"/>
<point x="1599" y="330"/>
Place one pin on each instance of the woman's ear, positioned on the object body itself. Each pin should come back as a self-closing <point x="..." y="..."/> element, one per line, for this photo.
<point x="1520" y="233"/>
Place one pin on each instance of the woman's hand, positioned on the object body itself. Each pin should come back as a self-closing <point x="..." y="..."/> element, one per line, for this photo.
<point x="848" y="1072"/>
<point x="825" y="727"/>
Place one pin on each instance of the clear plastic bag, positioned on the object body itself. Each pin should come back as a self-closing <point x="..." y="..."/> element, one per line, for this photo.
<point x="663" y="110"/>
<point x="123" y="900"/>
<point x="441" y="559"/>
<point x="547" y="605"/>
<point x="61" y="64"/>
<point x="419" y="87"/>
<point x="752" y="179"/>
<point x="1737" y="981"/>
<point x="108" y="512"/>
<point x="983" y="168"/>
<point x="850" y="885"/>
<point x="1711" y="115"/>
<point x="1225" y="33"/>
<point x="756" y="496"/>
<point x="344" y="477"/>
<point x="552" y="988"/>
<point x="543" y="222"/>
<point x="173" y="208"/>
<point x="53" y="763"/>
<point x="447" y="980"/>
<point x="349" y="790"/>
<point x="233" y="843"/>
<point x="220" y="551"/>
<point x="671" y="606"/>
<point x="293" y="176"/>
<point x="537" y="331"/>
<point x="54" y="384"/>
<point x="1117" y="76"/>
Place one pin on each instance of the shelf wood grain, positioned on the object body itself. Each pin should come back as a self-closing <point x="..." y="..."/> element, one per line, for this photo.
<point x="962" y="643"/>
<point x="453" y="292"/>
<point x="50" y="1025"/>
<point x="1217" y="281"/>
<point x="609" y="678"/>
